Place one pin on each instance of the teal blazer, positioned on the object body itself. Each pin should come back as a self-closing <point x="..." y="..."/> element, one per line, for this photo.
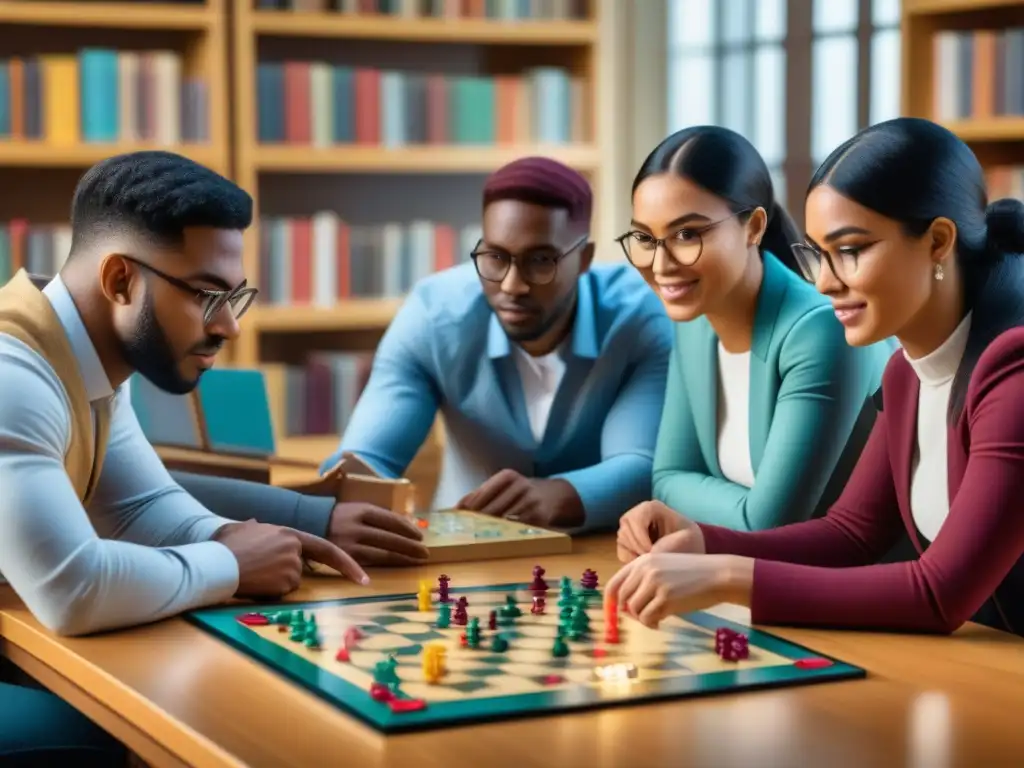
<point x="808" y="392"/>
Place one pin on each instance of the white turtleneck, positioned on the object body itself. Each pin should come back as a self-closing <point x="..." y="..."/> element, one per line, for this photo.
<point x="929" y="488"/>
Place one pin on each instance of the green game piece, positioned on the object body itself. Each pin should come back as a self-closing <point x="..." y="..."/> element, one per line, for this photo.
<point x="499" y="644"/>
<point x="384" y="673"/>
<point x="473" y="633"/>
<point x="444" y="615"/>
<point x="510" y="609"/>
<point x="559" y="649"/>
<point x="565" y="594"/>
<point x="579" y="623"/>
<point x="311" y="637"/>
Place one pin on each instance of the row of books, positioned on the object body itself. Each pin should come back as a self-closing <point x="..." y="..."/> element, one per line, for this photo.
<point x="321" y="260"/>
<point x="102" y="95"/>
<point x="502" y="10"/>
<point x="978" y="73"/>
<point x="317" y="398"/>
<point x="40" y="249"/>
<point x="302" y="102"/>
<point x="1005" y="181"/>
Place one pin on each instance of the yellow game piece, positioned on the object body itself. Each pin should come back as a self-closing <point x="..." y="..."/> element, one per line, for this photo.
<point x="424" y="596"/>
<point x="433" y="662"/>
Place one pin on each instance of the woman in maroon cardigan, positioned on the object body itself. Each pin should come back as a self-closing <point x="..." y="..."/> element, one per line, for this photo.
<point x="900" y="238"/>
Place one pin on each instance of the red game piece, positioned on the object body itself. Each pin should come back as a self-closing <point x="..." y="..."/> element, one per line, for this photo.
<point x="380" y="692"/>
<point x="463" y="641"/>
<point x="538" y="584"/>
<point x="599" y="653"/>
<point x="422" y="522"/>
<point x="492" y="620"/>
<point x="406" y="705"/>
<point x="442" y="589"/>
<point x="254" y="619"/>
<point x="812" y="663"/>
<point x="461" y="616"/>
<point x="553" y="680"/>
<point x="538" y="605"/>
<point x="342" y="655"/>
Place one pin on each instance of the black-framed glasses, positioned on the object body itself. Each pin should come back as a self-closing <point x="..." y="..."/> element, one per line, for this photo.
<point x="685" y="246"/>
<point x="537" y="267"/>
<point x="809" y="259"/>
<point x="239" y="299"/>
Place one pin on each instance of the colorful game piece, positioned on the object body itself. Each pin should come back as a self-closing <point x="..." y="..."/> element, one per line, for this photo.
<point x="398" y="705"/>
<point x="560" y="648"/>
<point x="433" y="662"/>
<point x="343" y="655"/>
<point x="538" y="584"/>
<point x="499" y="644"/>
<point x="444" y="615"/>
<point x="538" y="605"/>
<point x="423" y="596"/>
<point x="442" y="589"/>
<point x="589" y="581"/>
<point x="565" y="592"/>
<point x="351" y="637"/>
<point x="385" y="673"/>
<point x="311" y="639"/>
<point x="461" y="616"/>
<point x="579" y="623"/>
<point x="492" y="620"/>
<point x="510" y="609"/>
<point x="818" y="663"/>
<point x="473" y="633"/>
<point x="254" y="619"/>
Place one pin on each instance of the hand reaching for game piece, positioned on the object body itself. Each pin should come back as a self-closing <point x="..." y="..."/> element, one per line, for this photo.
<point x="270" y="557"/>
<point x="376" y="536"/>
<point x="535" y="501"/>
<point x="653" y="527"/>
<point x="655" y="586"/>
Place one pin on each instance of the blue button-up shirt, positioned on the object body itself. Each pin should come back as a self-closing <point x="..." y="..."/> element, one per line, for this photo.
<point x="446" y="351"/>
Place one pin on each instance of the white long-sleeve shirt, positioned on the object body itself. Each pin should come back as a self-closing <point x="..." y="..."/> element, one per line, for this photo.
<point x="141" y="551"/>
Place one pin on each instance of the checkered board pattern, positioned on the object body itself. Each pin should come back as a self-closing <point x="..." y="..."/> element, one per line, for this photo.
<point x="676" y="660"/>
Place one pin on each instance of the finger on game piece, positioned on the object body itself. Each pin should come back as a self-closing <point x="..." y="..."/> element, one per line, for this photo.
<point x="331" y="555"/>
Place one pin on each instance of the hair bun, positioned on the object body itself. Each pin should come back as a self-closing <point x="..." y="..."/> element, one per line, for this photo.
<point x="1005" y="221"/>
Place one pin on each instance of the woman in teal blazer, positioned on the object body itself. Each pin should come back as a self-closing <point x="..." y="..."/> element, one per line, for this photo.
<point x="763" y="393"/>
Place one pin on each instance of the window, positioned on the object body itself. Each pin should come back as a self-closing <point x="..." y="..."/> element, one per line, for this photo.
<point x="796" y="77"/>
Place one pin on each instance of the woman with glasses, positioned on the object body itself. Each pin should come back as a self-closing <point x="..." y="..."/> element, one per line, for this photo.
<point x="900" y="239"/>
<point x="763" y="393"/>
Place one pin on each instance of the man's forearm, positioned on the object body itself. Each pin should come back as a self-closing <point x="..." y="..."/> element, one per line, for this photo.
<point x="242" y="500"/>
<point x="610" y="489"/>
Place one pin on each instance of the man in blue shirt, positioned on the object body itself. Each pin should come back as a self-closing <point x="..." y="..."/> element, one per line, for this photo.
<point x="549" y="372"/>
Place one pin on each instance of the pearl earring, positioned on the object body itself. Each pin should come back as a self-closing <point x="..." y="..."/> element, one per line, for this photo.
<point x="939" y="272"/>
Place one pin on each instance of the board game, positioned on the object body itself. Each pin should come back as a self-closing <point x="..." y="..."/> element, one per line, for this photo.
<point x="448" y="655"/>
<point x="456" y="535"/>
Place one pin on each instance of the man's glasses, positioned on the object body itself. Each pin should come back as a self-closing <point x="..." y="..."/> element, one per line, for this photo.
<point x="685" y="246"/>
<point x="239" y="299"/>
<point x="538" y="267"/>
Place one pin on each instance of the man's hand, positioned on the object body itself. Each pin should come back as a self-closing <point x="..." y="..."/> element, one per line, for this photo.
<point x="376" y="536"/>
<point x="270" y="558"/>
<point x="550" y="503"/>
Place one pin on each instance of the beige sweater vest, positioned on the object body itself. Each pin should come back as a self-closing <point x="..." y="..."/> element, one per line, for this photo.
<point x="27" y="315"/>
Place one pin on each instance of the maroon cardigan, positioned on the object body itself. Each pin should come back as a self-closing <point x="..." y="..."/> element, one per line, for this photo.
<point x="825" y="571"/>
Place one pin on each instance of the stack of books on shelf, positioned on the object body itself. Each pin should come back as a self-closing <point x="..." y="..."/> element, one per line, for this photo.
<point x="1005" y="181"/>
<point x="104" y="96"/>
<point x="38" y="249"/>
<point x="979" y="73"/>
<point x="317" y="398"/>
<point x="500" y="10"/>
<point x="322" y="260"/>
<point x="302" y="102"/>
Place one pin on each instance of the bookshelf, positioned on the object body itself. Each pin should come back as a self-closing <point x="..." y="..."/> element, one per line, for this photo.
<point x="81" y="81"/>
<point x="963" y="66"/>
<point x="374" y="174"/>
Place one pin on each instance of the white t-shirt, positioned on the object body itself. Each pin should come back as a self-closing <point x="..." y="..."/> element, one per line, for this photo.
<point x="541" y="377"/>
<point x="734" y="416"/>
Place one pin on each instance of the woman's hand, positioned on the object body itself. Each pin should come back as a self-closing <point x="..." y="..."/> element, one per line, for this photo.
<point x="653" y="527"/>
<point x="655" y="586"/>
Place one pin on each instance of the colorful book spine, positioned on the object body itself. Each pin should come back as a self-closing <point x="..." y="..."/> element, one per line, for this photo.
<point x="322" y="260"/>
<point x="101" y="95"/>
<point x="978" y="74"/>
<point x="320" y="104"/>
<point x="317" y="397"/>
<point x="494" y="10"/>
<point x="39" y="249"/>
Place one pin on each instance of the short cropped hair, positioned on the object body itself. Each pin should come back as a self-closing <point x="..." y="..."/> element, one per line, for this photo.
<point x="154" y="195"/>
<point x="542" y="181"/>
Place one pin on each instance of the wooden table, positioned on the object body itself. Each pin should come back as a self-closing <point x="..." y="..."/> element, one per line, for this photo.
<point x="178" y="697"/>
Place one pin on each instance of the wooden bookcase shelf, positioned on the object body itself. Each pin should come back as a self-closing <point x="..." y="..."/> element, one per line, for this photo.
<point x="989" y="101"/>
<point x="159" y="16"/>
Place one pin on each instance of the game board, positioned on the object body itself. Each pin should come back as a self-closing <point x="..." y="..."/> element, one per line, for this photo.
<point x="456" y="535"/>
<point x="525" y="678"/>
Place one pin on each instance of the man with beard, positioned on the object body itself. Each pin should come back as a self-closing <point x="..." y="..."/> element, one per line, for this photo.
<point x="549" y="372"/>
<point x="94" y="533"/>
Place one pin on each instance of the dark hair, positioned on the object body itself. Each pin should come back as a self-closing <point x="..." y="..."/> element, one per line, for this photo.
<point x="914" y="171"/>
<point x="155" y="195"/>
<point x="542" y="181"/>
<point x="727" y="165"/>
